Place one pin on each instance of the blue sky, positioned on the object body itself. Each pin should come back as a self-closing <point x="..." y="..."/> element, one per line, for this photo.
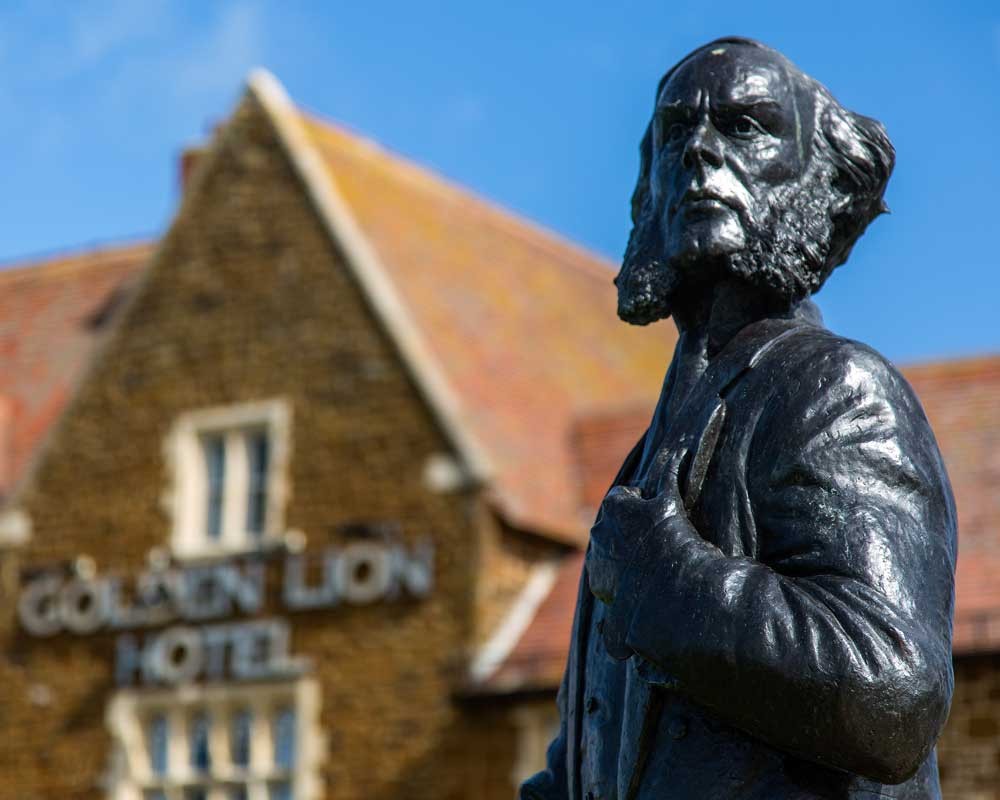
<point x="537" y="105"/>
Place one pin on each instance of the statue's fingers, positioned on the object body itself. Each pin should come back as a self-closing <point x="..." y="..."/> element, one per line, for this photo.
<point x="670" y="480"/>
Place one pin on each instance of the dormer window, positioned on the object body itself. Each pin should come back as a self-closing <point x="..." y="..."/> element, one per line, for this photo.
<point x="229" y="469"/>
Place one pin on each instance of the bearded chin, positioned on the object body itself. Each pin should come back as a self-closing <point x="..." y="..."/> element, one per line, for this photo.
<point x="785" y="256"/>
<point x="648" y="283"/>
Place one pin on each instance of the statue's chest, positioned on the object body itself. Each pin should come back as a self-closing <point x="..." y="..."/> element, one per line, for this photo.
<point x="716" y="433"/>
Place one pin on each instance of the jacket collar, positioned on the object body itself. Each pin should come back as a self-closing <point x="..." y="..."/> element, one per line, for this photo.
<point x="748" y="347"/>
<point x="739" y="355"/>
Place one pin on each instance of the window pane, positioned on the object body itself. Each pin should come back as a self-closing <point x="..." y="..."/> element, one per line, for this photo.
<point x="239" y="738"/>
<point x="258" y="459"/>
<point x="283" y="736"/>
<point x="280" y="790"/>
<point x="154" y="794"/>
<point x="215" y="474"/>
<point x="196" y="793"/>
<point x="157" y="735"/>
<point x="200" y="756"/>
<point x="238" y="793"/>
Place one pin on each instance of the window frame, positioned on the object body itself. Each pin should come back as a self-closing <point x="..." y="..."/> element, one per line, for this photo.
<point x="131" y="776"/>
<point x="186" y="497"/>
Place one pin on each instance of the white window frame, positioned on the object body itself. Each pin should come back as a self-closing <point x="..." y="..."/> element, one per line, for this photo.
<point x="186" y="495"/>
<point x="130" y="772"/>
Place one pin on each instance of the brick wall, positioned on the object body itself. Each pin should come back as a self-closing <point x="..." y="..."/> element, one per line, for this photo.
<point x="249" y="300"/>
<point x="969" y="749"/>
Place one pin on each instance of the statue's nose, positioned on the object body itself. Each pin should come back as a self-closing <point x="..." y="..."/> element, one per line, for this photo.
<point x="703" y="147"/>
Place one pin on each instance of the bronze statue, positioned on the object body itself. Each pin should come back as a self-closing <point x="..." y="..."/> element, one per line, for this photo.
<point x="766" y="605"/>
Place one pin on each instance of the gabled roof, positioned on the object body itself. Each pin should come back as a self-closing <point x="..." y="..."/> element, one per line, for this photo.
<point x="509" y="331"/>
<point x="52" y="314"/>
<point x="522" y="323"/>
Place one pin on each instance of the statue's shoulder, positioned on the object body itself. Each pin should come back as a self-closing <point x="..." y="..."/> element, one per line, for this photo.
<point x="818" y="361"/>
<point x="821" y="350"/>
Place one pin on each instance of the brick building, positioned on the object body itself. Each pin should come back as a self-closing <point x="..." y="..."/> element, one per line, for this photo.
<point x="293" y="499"/>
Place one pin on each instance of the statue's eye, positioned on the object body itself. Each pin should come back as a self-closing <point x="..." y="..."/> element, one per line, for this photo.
<point x="674" y="132"/>
<point x="745" y="126"/>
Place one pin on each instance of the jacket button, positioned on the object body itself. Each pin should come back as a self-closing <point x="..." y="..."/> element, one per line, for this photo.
<point x="592" y="705"/>
<point x="677" y="729"/>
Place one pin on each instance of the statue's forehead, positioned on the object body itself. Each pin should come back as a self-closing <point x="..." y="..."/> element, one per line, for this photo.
<point x="729" y="73"/>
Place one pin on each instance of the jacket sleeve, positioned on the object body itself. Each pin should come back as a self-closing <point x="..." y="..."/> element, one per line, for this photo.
<point x="834" y="644"/>
<point x="550" y="783"/>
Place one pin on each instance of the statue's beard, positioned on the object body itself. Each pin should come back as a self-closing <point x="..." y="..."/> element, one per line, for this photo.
<point x="785" y="256"/>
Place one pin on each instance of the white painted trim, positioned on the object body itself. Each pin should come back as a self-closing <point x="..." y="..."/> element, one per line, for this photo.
<point x="183" y="497"/>
<point x="367" y="268"/>
<point x="128" y="761"/>
<point x="15" y="527"/>
<point x="495" y="651"/>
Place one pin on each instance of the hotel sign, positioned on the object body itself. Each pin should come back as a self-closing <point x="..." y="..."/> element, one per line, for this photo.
<point x="191" y="603"/>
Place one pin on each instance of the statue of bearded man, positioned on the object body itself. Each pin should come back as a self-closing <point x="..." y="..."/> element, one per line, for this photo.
<point x="765" y="610"/>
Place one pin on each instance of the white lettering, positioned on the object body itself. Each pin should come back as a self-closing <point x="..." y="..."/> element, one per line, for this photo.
<point x="360" y="573"/>
<point x="38" y="608"/>
<point x="83" y="606"/>
<point x="176" y="656"/>
<point x="364" y="573"/>
<point x="244" y="651"/>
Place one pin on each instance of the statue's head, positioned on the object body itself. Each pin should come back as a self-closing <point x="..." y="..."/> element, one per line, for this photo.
<point x="750" y="171"/>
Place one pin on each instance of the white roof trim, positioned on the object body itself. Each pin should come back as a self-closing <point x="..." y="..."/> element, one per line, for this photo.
<point x="495" y="651"/>
<point x="362" y="259"/>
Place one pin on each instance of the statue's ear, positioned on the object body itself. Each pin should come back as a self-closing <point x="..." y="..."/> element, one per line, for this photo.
<point x="840" y="205"/>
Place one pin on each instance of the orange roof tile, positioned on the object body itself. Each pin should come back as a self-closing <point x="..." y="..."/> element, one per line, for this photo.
<point x="962" y="401"/>
<point x="51" y="315"/>
<point x="601" y="442"/>
<point x="522" y="322"/>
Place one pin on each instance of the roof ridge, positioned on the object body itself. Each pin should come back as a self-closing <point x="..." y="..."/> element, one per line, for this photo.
<point x="58" y="262"/>
<point x="377" y="286"/>
<point x="512" y="221"/>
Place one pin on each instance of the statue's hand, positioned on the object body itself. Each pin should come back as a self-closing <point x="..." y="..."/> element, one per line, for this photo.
<point x="624" y="524"/>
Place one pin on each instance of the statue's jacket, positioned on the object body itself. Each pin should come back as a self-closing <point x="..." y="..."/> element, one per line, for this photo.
<point x="798" y="645"/>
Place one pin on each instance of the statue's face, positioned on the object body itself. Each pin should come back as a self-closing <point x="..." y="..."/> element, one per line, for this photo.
<point x="727" y="134"/>
<point x="734" y="188"/>
<point x="739" y="188"/>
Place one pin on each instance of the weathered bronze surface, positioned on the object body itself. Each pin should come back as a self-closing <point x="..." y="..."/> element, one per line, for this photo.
<point x="766" y="606"/>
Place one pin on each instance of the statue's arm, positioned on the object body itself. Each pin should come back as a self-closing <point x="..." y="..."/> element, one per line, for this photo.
<point x="550" y="783"/>
<point x="836" y="644"/>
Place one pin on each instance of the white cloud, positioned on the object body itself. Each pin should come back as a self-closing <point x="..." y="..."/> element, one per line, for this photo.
<point x="221" y="58"/>
<point x="183" y="70"/>
<point x="98" y="30"/>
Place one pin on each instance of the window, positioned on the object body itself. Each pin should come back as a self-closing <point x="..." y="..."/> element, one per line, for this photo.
<point x="229" y="473"/>
<point x="216" y="743"/>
